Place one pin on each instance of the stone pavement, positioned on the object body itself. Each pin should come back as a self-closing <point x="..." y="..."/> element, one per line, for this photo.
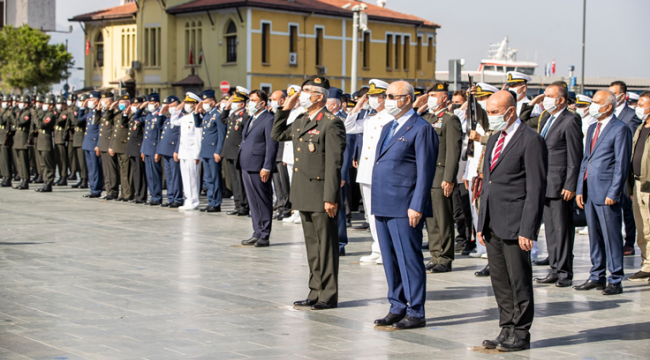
<point x="90" y="279"/>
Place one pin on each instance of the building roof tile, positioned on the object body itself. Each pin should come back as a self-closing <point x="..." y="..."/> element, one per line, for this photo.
<point x="117" y="12"/>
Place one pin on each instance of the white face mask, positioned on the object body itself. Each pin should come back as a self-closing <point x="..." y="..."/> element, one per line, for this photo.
<point x="433" y="103"/>
<point x="91" y="104"/>
<point x="483" y="104"/>
<point x="222" y="106"/>
<point x="78" y="103"/>
<point x="594" y="110"/>
<point x="583" y="112"/>
<point x="134" y="109"/>
<point x="151" y="108"/>
<point x="69" y="103"/>
<point x="4" y="105"/>
<point x="59" y="107"/>
<point x="207" y="107"/>
<point x="189" y="108"/>
<point x="373" y="101"/>
<point x="391" y="107"/>
<point x="21" y="106"/>
<point x="640" y="113"/>
<point x="104" y="105"/>
<point x="236" y="106"/>
<point x="305" y="100"/>
<point x="620" y="99"/>
<point x="275" y="105"/>
<point x="366" y="106"/>
<point x="498" y="122"/>
<point x="252" y="108"/>
<point x="549" y="104"/>
<point x="45" y="107"/>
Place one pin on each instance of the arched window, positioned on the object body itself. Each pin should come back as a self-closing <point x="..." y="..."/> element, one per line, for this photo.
<point x="99" y="50"/>
<point x="231" y="42"/>
<point x="193" y="42"/>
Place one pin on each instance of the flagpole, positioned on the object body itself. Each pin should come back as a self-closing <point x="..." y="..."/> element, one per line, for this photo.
<point x="205" y="63"/>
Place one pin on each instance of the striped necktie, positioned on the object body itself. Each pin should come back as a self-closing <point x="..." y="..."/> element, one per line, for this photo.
<point x="499" y="149"/>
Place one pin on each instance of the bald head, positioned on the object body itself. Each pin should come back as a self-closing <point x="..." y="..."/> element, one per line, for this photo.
<point x="502" y="103"/>
<point x="607" y="101"/>
<point x="403" y="93"/>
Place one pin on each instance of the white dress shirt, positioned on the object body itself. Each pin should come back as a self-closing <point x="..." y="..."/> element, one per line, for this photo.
<point x="371" y="127"/>
<point x="287" y="155"/>
<point x="401" y="121"/>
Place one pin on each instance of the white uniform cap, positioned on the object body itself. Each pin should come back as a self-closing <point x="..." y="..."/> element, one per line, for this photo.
<point x="517" y="77"/>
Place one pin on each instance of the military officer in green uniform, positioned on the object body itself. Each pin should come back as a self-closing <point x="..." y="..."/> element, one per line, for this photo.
<point x="318" y="139"/>
<point x="45" y="125"/>
<point x="117" y="147"/>
<point x="77" y="139"/>
<point x="70" y="110"/>
<point x="440" y="227"/>
<point x="23" y="125"/>
<point x="35" y="159"/>
<point x="60" y="140"/>
<point x="6" y="121"/>
<point x="109" y="161"/>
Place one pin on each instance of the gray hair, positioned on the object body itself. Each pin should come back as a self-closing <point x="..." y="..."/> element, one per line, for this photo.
<point x="410" y="91"/>
<point x="610" y="99"/>
<point x="320" y="90"/>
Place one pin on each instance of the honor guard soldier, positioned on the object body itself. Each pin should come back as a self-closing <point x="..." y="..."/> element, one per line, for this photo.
<point x="77" y="138"/>
<point x="109" y="161"/>
<point x="6" y="140"/>
<point x="212" y="139"/>
<point x="35" y="159"/>
<point x="90" y="116"/>
<point x="235" y="118"/>
<point x="45" y="126"/>
<point x="117" y="147"/>
<point x="319" y="142"/>
<point x="22" y="125"/>
<point x="152" y="124"/>
<point x="133" y="145"/>
<point x="72" y="110"/>
<point x="60" y="139"/>
<point x="440" y="227"/>
<point x="169" y="135"/>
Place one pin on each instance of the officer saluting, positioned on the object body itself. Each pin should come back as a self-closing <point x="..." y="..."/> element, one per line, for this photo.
<point x="60" y="139"/>
<point x="6" y="129"/>
<point x="152" y="123"/>
<point x="133" y="144"/>
<point x="212" y="139"/>
<point x="78" y="128"/>
<point x="22" y="124"/>
<point x="45" y="127"/>
<point x="235" y="117"/>
<point x="318" y="139"/>
<point x="89" y="118"/>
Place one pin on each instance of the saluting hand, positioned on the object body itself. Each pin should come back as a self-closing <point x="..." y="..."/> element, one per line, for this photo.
<point x="414" y="217"/>
<point x="421" y="102"/>
<point x="537" y="100"/>
<point x="291" y="101"/>
<point x="180" y="106"/>
<point x="359" y="106"/>
<point x="331" y="208"/>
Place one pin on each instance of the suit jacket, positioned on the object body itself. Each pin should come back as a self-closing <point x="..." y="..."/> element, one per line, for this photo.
<point x="607" y="166"/>
<point x="403" y="173"/>
<point x="514" y="192"/>
<point x="565" y="151"/>
<point x="258" y="151"/>
<point x="629" y="118"/>
<point x="91" y="136"/>
<point x="152" y="124"/>
<point x="318" y="147"/>
<point x="120" y="133"/>
<point x="136" y="133"/>
<point x="235" y="122"/>
<point x="450" y="136"/>
<point x="213" y="134"/>
<point x="169" y="137"/>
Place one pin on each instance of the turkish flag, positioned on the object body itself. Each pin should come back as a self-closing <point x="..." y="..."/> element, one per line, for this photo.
<point x="191" y="56"/>
<point x="553" y="68"/>
<point x="87" y="47"/>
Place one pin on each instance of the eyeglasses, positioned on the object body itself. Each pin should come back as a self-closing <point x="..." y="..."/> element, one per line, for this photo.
<point x="395" y="97"/>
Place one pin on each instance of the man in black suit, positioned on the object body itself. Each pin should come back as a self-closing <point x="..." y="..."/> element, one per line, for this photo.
<point x="562" y="132"/>
<point x="235" y="117"/>
<point x="256" y="161"/>
<point x="626" y="115"/>
<point x="512" y="201"/>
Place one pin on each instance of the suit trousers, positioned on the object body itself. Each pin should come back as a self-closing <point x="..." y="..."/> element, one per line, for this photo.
<point x="139" y="178"/>
<point x="73" y="160"/>
<point x="49" y="166"/>
<point x="22" y="163"/>
<point x="282" y="187"/>
<point x="401" y="253"/>
<point x="213" y="181"/>
<point x="511" y="273"/>
<point x="111" y="171"/>
<point x="191" y="182"/>
<point x="322" y="243"/>
<point x="462" y="213"/>
<point x="81" y="158"/>
<point x="126" y="177"/>
<point x="605" y="241"/>
<point x="95" y="172"/>
<point x="641" y="203"/>
<point x="62" y="160"/>
<point x="367" y="190"/>
<point x="241" y="201"/>
<point x="628" y="220"/>
<point x="174" y="180"/>
<point x="5" y="161"/>
<point x="560" y="235"/>
<point x="440" y="228"/>
<point x="260" y="200"/>
<point x="342" y="220"/>
<point x="154" y="178"/>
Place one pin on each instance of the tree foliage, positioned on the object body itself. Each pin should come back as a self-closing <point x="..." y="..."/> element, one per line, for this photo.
<point x="28" y="61"/>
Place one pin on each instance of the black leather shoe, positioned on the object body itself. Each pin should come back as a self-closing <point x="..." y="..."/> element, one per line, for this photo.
<point x="389" y="319"/>
<point x="250" y="242"/>
<point x="6" y="182"/>
<point x="429" y="266"/>
<point x="588" y="285"/>
<point x="47" y="187"/>
<point x="513" y="344"/>
<point x="483" y="273"/>
<point x="549" y="279"/>
<point x="306" y="302"/>
<point x="153" y="203"/>
<point x="84" y="184"/>
<point x="165" y="204"/>
<point x="175" y="205"/>
<point x="73" y="177"/>
<point x="613" y="289"/>
<point x="425" y="246"/>
<point x="110" y="198"/>
<point x="232" y="212"/>
<point x="564" y="283"/>
<point x="262" y="243"/>
<point x="410" y="322"/>
<point x="38" y="180"/>
<point x="492" y="344"/>
<point x="341" y="252"/>
<point x="62" y="182"/>
<point x="542" y="262"/>
<point x="242" y="213"/>
<point x="323" y="306"/>
<point x="212" y="209"/>
<point x="91" y="196"/>
<point x="140" y="202"/>
<point x="24" y="185"/>
<point x="364" y="225"/>
<point x="439" y="268"/>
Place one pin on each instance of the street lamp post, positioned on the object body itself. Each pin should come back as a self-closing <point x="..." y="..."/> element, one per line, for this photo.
<point x="584" y="28"/>
<point x="355" y="44"/>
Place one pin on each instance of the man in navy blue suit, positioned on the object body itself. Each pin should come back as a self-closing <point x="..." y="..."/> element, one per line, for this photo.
<point x="401" y="183"/>
<point x="601" y="188"/>
<point x="214" y="134"/>
<point x="91" y="116"/>
<point x="169" y="137"/>
<point x="256" y="161"/>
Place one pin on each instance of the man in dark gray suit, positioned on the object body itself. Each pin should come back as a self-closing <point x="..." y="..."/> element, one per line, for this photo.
<point x="628" y="117"/>
<point x="562" y="132"/>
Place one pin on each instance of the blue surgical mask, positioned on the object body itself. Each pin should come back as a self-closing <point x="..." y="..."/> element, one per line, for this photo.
<point x="121" y="107"/>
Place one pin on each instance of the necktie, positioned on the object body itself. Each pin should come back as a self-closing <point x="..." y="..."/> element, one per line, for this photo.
<point x="498" y="150"/>
<point x="250" y="125"/>
<point x="593" y="143"/>
<point x="390" y="134"/>
<point x="548" y="126"/>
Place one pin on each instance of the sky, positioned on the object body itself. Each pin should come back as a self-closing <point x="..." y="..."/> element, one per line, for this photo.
<point x="541" y="30"/>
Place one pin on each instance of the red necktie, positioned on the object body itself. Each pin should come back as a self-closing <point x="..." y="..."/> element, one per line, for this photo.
<point x="593" y="143"/>
<point x="497" y="152"/>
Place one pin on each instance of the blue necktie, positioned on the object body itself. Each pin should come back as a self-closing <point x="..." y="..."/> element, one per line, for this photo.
<point x="390" y="135"/>
<point x="548" y="126"/>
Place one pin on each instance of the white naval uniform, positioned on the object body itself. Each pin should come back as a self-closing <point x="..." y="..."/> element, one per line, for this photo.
<point x="189" y="150"/>
<point x="287" y="155"/>
<point x="371" y="128"/>
<point x="536" y="109"/>
<point x="471" y="171"/>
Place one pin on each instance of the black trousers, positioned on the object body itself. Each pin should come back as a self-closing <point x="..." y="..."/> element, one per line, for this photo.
<point x="462" y="213"/>
<point x="139" y="178"/>
<point x="241" y="202"/>
<point x="62" y="160"/>
<point x="110" y="171"/>
<point x="560" y="235"/>
<point x="282" y="187"/>
<point x="511" y="273"/>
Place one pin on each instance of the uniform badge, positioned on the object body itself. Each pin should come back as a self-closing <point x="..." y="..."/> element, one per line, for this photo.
<point x="107" y="123"/>
<point x="26" y="117"/>
<point x="236" y="127"/>
<point x="75" y="113"/>
<point x="311" y="147"/>
<point x="47" y="121"/>
<point x="135" y="127"/>
<point x="319" y="117"/>
<point x="442" y="113"/>
<point x="64" y="117"/>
